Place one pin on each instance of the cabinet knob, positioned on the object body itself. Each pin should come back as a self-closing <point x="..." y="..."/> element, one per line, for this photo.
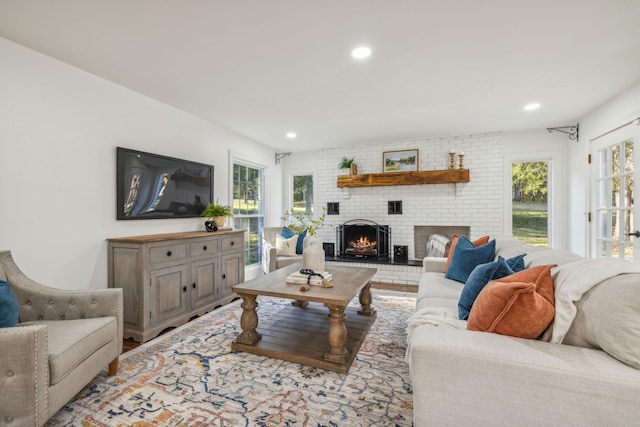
<point x="204" y="248"/>
<point x="224" y="276"/>
<point x="168" y="253"/>
<point x="194" y="285"/>
<point x="184" y="289"/>
<point x="232" y="242"/>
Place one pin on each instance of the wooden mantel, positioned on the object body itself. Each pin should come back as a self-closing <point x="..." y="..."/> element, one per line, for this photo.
<point x="404" y="178"/>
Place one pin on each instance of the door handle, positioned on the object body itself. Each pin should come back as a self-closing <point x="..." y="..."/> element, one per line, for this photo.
<point x="635" y="233"/>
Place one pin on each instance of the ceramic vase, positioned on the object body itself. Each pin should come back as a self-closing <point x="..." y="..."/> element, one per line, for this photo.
<point x="313" y="254"/>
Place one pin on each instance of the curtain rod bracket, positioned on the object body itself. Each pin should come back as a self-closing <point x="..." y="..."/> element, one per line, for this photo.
<point x="572" y="131"/>
<point x="280" y="156"/>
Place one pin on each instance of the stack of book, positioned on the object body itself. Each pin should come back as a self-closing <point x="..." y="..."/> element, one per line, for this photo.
<point x="303" y="279"/>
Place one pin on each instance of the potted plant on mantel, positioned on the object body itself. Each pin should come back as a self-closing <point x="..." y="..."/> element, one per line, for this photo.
<point x="346" y="163"/>
<point x="216" y="214"/>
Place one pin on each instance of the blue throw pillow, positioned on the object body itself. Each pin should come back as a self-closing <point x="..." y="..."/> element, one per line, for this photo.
<point x="286" y="233"/>
<point x="516" y="263"/>
<point x="8" y="306"/>
<point x="466" y="257"/>
<point x="479" y="277"/>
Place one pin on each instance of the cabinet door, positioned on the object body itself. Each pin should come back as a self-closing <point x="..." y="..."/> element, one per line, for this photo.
<point x="168" y="296"/>
<point x="204" y="286"/>
<point x="232" y="271"/>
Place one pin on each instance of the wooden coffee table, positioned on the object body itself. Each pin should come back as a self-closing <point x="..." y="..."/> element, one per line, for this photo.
<point x="301" y="333"/>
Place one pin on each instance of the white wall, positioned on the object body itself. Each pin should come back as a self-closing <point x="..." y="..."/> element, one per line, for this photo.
<point x="59" y="130"/>
<point x="479" y="203"/>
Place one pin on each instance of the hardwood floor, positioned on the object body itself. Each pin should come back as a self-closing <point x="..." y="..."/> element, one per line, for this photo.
<point x="129" y="344"/>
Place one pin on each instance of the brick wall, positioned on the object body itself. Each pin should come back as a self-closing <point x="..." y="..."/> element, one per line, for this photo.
<point x="477" y="204"/>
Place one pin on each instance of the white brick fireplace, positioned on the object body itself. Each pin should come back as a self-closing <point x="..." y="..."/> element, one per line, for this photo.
<point x="477" y="204"/>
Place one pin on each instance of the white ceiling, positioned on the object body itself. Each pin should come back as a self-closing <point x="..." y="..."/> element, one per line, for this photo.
<point x="265" y="67"/>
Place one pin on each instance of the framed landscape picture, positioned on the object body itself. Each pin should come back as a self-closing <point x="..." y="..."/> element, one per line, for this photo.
<point x="400" y="161"/>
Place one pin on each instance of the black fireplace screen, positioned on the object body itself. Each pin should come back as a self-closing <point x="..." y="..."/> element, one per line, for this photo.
<point x="361" y="238"/>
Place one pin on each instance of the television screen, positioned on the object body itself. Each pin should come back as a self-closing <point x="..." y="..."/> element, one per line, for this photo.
<point x="152" y="186"/>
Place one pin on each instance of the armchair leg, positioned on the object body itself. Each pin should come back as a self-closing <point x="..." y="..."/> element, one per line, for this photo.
<point x="113" y="366"/>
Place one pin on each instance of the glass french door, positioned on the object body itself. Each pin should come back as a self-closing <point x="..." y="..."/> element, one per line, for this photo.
<point x="617" y="234"/>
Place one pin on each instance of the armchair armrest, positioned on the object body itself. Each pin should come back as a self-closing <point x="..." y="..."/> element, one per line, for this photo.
<point x="25" y="375"/>
<point x="44" y="303"/>
<point x="39" y="302"/>
<point x="269" y="257"/>
<point x="434" y="265"/>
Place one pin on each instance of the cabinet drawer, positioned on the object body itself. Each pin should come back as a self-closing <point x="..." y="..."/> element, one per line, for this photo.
<point x="204" y="247"/>
<point x="167" y="253"/>
<point x="231" y="243"/>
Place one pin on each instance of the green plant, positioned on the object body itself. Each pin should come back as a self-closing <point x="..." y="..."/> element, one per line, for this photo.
<point x="299" y="221"/>
<point x="345" y="163"/>
<point x="215" y="209"/>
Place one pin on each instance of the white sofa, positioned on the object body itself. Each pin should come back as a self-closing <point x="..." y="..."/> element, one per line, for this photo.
<point x="463" y="377"/>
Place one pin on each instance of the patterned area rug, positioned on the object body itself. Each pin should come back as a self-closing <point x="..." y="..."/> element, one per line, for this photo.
<point x="190" y="377"/>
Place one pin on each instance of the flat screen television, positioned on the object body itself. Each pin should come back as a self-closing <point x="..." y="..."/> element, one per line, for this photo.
<point x="151" y="186"/>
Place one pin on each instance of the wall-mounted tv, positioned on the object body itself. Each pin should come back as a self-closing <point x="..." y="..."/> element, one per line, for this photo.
<point x="151" y="186"/>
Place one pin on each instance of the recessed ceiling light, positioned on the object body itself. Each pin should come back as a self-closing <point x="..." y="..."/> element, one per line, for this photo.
<point x="291" y="135"/>
<point x="361" y="52"/>
<point x="532" y="106"/>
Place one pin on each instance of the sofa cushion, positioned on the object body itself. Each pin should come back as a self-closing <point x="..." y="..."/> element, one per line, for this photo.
<point x="287" y="233"/>
<point x="519" y="305"/>
<point x="509" y="246"/>
<point x="70" y="342"/>
<point x="466" y="256"/>
<point x="454" y="242"/>
<point x="548" y="256"/>
<point x="608" y="318"/>
<point x="436" y="285"/>
<point x="516" y="263"/>
<point x="286" y="246"/>
<point x="479" y="277"/>
<point x="8" y="306"/>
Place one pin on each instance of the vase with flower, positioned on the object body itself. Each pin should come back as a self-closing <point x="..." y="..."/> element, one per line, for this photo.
<point x="301" y="222"/>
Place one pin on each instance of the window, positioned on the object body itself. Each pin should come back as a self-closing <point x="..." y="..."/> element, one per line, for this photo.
<point x="248" y="208"/>
<point x="529" y="202"/>
<point x="302" y="194"/>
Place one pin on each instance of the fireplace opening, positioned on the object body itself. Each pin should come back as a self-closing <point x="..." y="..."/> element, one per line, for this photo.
<point x="361" y="238"/>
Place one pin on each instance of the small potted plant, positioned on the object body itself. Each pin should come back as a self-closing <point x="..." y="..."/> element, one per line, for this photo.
<point x="216" y="214"/>
<point x="346" y="163"/>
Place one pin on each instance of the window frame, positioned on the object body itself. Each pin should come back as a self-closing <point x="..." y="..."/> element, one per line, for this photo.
<point x="238" y="160"/>
<point x="554" y="197"/>
<point x="291" y="173"/>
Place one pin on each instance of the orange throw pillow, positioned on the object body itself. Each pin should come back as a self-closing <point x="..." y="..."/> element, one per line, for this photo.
<point x="520" y="305"/>
<point x="479" y="242"/>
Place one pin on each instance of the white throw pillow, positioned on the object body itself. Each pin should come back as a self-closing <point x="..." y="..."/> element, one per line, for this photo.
<point x="286" y="247"/>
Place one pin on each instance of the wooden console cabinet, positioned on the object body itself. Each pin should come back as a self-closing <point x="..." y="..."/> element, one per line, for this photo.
<point x="169" y="278"/>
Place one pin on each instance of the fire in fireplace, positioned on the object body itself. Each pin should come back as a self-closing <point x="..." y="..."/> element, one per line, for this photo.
<point x="361" y="238"/>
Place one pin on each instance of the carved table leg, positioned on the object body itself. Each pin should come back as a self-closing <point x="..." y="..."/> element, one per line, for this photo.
<point x="337" y="353"/>
<point x="365" y="301"/>
<point x="248" y="321"/>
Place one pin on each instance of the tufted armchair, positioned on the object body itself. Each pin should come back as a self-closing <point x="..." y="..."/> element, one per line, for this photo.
<point x="270" y="259"/>
<point x="63" y="339"/>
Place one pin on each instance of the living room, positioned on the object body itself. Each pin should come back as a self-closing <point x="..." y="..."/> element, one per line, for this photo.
<point x="61" y="125"/>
